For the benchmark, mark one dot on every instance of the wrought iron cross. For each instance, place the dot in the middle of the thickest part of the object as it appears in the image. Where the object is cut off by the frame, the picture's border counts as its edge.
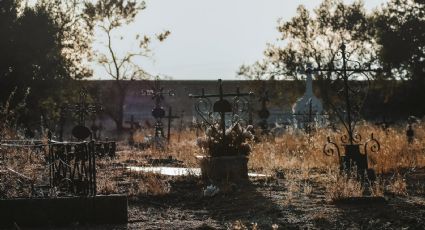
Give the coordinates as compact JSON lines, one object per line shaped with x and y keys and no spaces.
{"x":82,"y":108}
{"x":221,"y":106}
{"x":345,"y":72}
{"x":158,"y":112}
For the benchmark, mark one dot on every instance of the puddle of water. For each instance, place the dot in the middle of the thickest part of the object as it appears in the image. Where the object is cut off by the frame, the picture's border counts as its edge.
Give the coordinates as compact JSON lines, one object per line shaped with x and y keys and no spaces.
{"x":174,"y":171}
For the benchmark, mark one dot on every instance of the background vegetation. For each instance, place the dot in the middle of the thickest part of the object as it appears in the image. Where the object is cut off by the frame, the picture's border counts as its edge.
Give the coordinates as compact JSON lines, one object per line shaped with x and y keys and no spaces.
{"x":47,"y":47}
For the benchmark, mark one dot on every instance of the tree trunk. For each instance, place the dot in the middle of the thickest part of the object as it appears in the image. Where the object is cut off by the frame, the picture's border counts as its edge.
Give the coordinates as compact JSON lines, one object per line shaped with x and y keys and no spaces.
{"x":120,"y":118}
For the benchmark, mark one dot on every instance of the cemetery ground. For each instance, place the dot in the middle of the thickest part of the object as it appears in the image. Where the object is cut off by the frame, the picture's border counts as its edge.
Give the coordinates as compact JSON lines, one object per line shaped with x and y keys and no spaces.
{"x":302,"y":187}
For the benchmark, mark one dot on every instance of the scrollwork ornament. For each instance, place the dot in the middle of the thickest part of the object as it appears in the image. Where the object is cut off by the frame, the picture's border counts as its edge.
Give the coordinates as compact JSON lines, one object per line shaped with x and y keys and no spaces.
{"x":372,"y":145}
{"x":357,"y":138}
{"x":330,"y":148}
{"x":203,"y":107}
{"x":344,"y":139}
{"x":240,"y":106}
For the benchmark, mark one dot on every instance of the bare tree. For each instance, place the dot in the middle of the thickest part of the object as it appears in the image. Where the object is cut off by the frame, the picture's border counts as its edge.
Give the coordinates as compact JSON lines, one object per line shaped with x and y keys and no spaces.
{"x":109,"y":15}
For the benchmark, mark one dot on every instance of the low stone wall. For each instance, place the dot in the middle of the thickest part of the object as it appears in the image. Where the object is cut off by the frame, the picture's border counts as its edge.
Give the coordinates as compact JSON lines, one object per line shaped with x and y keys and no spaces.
{"x":36,"y":212}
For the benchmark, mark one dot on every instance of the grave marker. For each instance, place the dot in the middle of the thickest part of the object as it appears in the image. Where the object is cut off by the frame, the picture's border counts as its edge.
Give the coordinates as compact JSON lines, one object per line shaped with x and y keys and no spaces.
{"x":170,"y":118}
{"x":346,"y":114}
{"x":81,"y":109}
{"x":158,"y":112}
{"x":204,"y":107}
{"x":227,"y":155}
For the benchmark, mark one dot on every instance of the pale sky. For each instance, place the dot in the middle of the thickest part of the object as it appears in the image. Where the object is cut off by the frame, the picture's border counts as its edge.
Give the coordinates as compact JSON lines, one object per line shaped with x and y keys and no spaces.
{"x":209,"y":39}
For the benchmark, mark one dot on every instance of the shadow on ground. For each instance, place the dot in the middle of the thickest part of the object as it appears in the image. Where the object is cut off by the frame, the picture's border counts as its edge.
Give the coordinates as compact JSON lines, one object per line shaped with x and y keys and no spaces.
{"x":186,"y":202}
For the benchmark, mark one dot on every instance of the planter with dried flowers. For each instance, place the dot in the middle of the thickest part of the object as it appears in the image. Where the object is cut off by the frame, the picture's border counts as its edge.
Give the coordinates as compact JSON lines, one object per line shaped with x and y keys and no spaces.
{"x":225,"y":159}
{"x":225,"y":148}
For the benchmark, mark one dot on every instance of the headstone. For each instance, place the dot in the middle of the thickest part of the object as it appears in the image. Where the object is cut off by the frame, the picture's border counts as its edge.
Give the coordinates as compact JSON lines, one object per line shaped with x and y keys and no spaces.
{"x":307,"y":108}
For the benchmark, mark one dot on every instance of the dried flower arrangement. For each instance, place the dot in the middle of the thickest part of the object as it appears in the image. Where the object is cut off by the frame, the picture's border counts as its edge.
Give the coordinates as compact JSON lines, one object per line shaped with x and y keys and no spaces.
{"x":234,"y":142}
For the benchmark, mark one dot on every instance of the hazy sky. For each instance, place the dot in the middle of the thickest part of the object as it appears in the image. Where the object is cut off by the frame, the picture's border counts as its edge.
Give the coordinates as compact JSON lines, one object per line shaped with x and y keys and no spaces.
{"x":209,"y":39}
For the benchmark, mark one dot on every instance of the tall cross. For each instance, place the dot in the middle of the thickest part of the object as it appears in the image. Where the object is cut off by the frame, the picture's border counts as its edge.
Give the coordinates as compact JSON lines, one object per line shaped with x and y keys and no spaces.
{"x":346,"y":72}
{"x":158,"y":112}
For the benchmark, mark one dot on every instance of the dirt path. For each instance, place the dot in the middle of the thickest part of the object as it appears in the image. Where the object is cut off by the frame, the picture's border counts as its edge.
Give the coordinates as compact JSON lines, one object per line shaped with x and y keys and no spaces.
{"x":269,"y":203}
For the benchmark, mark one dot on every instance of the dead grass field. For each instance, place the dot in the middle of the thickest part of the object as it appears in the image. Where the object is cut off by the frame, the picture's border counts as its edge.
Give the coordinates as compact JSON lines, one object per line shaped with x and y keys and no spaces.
{"x":301,"y":192}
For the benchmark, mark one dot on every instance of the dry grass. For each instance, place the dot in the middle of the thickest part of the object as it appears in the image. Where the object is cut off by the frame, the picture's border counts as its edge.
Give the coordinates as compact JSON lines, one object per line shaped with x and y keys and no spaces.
{"x":342,"y":185}
{"x":300,"y":156}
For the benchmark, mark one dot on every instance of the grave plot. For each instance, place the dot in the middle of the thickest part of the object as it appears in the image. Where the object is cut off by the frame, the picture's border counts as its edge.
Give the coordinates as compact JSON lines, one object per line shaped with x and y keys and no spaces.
{"x":55,"y":186}
{"x":158,"y":112}
{"x":92,"y":137}
{"x":103,"y":148}
{"x":225,"y":143}
{"x":45,"y":176}
{"x":354,"y":81}
{"x":302,"y":187}
{"x":297,"y":185}
{"x":287,"y":181}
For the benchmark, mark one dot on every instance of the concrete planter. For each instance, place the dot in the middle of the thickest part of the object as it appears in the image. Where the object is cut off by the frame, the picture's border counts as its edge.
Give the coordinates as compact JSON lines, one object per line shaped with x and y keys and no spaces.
{"x":224,"y":168}
{"x":353,"y":157}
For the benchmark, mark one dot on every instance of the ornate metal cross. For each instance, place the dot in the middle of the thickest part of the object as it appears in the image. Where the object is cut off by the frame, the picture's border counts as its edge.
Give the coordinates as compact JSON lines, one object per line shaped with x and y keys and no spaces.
{"x":158,"y":112}
{"x":351,"y":87}
{"x":222,"y":106}
{"x":81,"y":109}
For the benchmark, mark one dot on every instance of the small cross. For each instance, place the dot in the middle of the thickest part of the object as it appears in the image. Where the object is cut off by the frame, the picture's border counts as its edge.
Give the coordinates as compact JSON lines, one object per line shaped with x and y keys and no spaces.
{"x":82,"y":108}
{"x":157,"y":93}
{"x":170,"y":118}
{"x":133,"y":126}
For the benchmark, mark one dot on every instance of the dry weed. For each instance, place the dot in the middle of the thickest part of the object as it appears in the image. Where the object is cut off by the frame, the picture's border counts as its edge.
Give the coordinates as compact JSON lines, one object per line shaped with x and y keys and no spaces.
{"x":397,"y":185}
{"x":298,"y":154}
